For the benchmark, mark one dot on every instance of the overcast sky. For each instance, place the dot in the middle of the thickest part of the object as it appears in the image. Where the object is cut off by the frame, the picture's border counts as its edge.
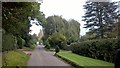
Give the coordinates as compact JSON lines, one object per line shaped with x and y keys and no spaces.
{"x":35,"y":29}
{"x":68,"y":9}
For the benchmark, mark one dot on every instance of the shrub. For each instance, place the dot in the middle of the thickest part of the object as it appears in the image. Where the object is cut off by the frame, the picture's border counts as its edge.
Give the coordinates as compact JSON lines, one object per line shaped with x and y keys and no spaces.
{"x":103,"y":49}
{"x":20,"y":42}
{"x":57,"y":39}
{"x":32,"y":46}
{"x":47,"y":45}
{"x":67,"y":48}
{"x":57,"y":49}
{"x":9,"y":42}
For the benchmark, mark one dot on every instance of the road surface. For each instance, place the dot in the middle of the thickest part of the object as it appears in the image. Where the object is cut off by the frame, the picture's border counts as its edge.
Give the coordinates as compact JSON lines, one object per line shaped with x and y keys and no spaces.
{"x":40,"y":57}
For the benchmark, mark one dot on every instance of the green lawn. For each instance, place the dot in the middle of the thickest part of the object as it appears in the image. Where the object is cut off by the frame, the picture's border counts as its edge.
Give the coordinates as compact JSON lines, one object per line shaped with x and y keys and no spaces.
{"x":15,"y":58}
{"x":84,"y":61}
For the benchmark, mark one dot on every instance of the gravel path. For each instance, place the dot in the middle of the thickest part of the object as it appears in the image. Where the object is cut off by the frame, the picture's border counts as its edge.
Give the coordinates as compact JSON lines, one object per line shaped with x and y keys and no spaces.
{"x":40,"y":57}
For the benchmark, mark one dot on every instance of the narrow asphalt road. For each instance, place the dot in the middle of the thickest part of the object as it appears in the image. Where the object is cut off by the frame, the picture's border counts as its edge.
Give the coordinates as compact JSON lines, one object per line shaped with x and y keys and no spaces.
{"x":40,"y":57}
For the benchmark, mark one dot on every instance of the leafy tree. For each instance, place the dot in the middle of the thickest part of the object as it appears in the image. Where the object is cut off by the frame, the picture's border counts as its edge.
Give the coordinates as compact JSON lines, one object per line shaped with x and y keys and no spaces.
{"x":47,"y":44}
{"x":56,"y":39}
{"x":70,"y":29}
{"x":15,"y":18}
{"x":20,"y":42}
{"x":100,"y":16}
{"x":114,"y":32}
{"x":73,"y":32}
{"x":15,"y":14}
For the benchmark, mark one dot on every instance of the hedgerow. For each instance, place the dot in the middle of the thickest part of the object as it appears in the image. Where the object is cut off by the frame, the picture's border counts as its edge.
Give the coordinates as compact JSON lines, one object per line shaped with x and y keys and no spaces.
{"x":103,"y":49}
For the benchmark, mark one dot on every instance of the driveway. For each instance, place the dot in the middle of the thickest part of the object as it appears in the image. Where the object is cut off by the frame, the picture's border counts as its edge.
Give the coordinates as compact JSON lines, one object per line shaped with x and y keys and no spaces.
{"x":40,"y":57}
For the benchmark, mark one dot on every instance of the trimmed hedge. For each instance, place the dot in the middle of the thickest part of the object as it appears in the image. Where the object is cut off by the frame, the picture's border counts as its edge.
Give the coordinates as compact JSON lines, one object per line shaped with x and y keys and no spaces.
{"x":103,"y":49}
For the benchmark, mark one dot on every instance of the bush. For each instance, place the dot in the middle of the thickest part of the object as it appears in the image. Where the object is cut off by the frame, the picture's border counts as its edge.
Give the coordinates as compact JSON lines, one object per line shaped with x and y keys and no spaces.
{"x":29,"y":43}
{"x":56,"y":39}
{"x":57,"y":49}
{"x":20,"y":42}
{"x":32,"y":46}
{"x":47,"y":45}
{"x":9,"y":42}
{"x":67,"y":48}
{"x":103,"y":49}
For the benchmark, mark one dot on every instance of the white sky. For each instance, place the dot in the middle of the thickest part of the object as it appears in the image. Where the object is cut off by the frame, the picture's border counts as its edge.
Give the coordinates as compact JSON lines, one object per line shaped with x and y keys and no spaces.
{"x":68,"y":9}
{"x":35,"y":29}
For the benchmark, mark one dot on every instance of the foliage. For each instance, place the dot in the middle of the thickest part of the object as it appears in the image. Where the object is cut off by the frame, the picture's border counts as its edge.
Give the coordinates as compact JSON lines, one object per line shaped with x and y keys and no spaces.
{"x":103,"y":49}
{"x":32,"y":46}
{"x":56,"y":39}
{"x":89,"y":36}
{"x":9,"y":42}
{"x":31,"y":41}
{"x":57,"y":49}
{"x":70,"y":29}
{"x":47,"y":44}
{"x":83,"y":62}
{"x":34,"y":39}
{"x":40,"y":41}
{"x":20,"y":42}
{"x":67,"y":47}
{"x":100,"y":17}
{"x":15,"y":19}
{"x":15,"y":14}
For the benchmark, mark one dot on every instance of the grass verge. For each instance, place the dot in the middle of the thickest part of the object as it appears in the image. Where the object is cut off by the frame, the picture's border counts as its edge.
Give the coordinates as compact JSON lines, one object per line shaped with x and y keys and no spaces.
{"x":83,"y":62}
{"x":15,"y":58}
